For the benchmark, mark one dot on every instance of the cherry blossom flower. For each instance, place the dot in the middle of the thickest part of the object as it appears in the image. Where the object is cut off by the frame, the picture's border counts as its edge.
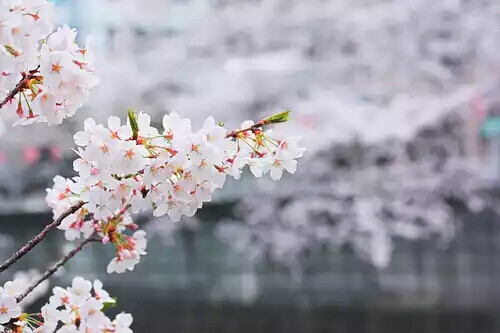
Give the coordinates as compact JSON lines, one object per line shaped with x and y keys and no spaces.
{"x":9,"y":308}
{"x":101,"y":294}
{"x":282,"y":162}
{"x":122,"y":323}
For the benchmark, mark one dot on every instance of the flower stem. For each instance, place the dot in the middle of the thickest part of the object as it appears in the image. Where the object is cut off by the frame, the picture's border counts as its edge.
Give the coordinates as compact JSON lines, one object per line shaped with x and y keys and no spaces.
{"x":38,"y":238}
{"x":30,"y":110}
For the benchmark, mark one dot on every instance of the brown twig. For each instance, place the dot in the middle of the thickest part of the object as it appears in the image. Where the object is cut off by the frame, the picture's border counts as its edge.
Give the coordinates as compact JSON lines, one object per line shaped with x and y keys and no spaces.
{"x":277,"y":118}
{"x":92,"y":238}
{"x":38,"y":238}
{"x":22,"y":85}
{"x":54,"y":268}
{"x":257,"y":126}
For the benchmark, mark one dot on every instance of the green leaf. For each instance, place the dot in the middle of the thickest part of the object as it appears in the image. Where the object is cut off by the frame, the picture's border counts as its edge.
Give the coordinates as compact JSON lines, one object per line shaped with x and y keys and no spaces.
{"x":281,"y":117}
{"x":132,"y":117}
{"x":109,"y":305}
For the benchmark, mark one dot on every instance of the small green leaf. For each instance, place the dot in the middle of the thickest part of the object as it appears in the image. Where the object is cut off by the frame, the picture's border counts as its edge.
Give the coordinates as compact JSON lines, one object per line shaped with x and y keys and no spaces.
{"x":109,"y":305}
{"x":281,"y":117}
{"x":132,"y":117}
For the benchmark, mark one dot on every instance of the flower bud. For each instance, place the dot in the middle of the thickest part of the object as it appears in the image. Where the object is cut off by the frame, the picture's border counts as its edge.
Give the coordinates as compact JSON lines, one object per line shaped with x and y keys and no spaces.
{"x":133,"y":226}
{"x":132,"y":117}
{"x":20,"y":110}
{"x":281,"y":117}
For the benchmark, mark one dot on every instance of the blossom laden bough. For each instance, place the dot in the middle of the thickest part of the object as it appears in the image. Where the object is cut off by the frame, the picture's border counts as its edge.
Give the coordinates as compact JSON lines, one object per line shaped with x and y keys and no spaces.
{"x":132,"y":167}
{"x":129,"y":168}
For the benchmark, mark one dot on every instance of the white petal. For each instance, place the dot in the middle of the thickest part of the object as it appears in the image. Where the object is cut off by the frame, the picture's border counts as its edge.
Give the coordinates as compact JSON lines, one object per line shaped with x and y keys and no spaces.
{"x":125,"y":132}
{"x":89,"y":124}
{"x":114,"y":123}
{"x":290,"y":165}
{"x":81,"y":138}
{"x":276,"y":173}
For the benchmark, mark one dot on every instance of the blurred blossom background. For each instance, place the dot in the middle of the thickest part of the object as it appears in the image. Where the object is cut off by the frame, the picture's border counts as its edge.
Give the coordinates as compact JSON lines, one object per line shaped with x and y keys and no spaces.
{"x":391,"y":224}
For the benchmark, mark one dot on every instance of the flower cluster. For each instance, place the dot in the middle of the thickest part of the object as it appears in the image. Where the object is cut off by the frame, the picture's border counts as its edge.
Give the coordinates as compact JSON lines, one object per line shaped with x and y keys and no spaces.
{"x":129,"y":168}
{"x":22,"y":25}
{"x":22,"y":279}
{"x":45,"y":75}
{"x":79,"y":308}
{"x":10,"y":309}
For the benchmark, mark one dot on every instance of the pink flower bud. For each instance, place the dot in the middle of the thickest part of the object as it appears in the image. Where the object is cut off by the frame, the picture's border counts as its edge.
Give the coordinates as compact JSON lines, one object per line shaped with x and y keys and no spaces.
{"x":20,"y":111}
{"x":133,"y":226}
{"x":105,"y":239}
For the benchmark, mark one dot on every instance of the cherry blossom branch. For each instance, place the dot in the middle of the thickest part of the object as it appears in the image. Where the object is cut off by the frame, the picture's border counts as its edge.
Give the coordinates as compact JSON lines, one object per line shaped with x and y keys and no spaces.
{"x":67,"y":257}
{"x":38,"y":238}
{"x":92,"y":238}
{"x":56,"y":266}
{"x":21,"y":86}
